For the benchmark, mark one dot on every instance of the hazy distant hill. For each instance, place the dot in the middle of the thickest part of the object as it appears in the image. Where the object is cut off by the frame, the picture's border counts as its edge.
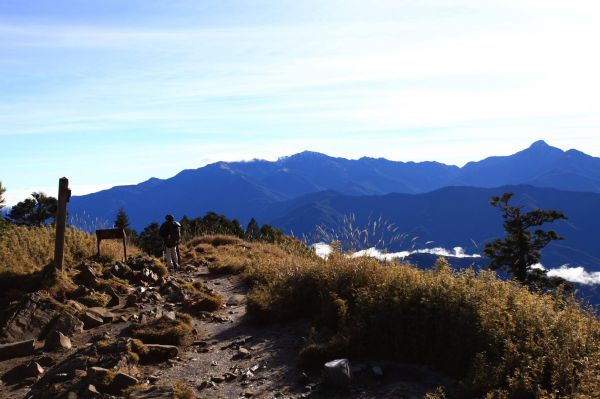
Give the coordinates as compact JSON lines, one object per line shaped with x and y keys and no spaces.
{"x":244,"y":189}
{"x":452,"y":216}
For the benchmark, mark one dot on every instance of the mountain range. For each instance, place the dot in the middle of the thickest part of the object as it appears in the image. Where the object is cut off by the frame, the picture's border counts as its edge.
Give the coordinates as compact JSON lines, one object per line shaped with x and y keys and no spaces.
{"x":433,"y":201}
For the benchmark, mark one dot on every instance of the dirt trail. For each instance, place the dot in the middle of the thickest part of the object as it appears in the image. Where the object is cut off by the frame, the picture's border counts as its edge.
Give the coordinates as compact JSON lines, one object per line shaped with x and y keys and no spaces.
{"x":231,"y":357}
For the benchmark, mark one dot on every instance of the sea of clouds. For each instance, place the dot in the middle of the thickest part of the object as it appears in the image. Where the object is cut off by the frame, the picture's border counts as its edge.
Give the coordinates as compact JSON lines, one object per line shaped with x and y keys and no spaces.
{"x":574,"y":274}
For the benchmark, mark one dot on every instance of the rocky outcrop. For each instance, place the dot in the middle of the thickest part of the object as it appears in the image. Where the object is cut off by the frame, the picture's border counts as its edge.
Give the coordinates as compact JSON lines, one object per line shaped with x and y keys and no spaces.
{"x":30,"y":317}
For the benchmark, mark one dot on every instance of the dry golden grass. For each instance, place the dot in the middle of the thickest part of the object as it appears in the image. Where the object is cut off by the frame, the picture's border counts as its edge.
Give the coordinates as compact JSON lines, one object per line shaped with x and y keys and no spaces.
{"x":24,"y":250}
{"x":498,"y":338}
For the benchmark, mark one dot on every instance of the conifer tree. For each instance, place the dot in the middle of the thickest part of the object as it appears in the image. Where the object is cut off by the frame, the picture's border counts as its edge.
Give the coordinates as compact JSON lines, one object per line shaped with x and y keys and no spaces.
{"x":122,"y":220}
{"x":521,"y":247}
{"x":253,"y":230}
{"x":34,"y":211}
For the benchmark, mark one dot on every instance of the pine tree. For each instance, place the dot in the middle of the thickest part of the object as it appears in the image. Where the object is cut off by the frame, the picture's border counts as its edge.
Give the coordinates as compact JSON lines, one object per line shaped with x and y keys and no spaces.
{"x":122,"y":220}
{"x":34,"y":211}
{"x":253,"y":230}
{"x":521,"y":247}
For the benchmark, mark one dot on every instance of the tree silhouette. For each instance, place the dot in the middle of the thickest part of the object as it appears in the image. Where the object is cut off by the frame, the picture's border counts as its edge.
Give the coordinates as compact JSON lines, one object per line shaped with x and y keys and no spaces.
{"x":150,"y":240}
{"x":253,"y":230}
{"x":2,"y":200}
{"x":521,"y":247}
{"x":34,"y":211}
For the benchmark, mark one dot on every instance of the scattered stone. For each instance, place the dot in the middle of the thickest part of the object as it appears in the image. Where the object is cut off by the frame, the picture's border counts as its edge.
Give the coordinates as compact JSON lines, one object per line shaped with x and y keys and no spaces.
{"x":170,"y":315}
{"x":217,"y":380}
{"x":244,"y":352}
{"x":153,"y":379}
{"x":255,"y":368}
{"x":155,"y":392}
{"x":90,"y":392}
{"x":57,"y":340}
{"x":248,"y":375}
{"x":17,"y":349}
{"x":106,"y":315}
{"x":337,"y":373}
{"x":206,"y":384}
{"x":201,"y":344}
{"x":91,"y":320}
{"x":229,"y":376}
{"x":123,"y":381}
{"x":156,"y":351}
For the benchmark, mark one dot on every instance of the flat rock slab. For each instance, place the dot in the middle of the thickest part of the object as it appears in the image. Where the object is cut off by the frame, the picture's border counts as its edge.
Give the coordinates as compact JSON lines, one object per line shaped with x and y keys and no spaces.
{"x":106,"y":315}
{"x":17,"y":349}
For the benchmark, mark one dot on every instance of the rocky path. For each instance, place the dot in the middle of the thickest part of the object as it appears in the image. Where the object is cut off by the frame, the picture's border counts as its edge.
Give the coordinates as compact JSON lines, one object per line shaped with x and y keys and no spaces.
{"x":226,"y":357}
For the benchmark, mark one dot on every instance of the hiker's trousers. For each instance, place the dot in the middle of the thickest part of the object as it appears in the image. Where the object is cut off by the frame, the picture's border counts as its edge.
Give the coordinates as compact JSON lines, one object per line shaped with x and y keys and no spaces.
{"x":171,"y":257}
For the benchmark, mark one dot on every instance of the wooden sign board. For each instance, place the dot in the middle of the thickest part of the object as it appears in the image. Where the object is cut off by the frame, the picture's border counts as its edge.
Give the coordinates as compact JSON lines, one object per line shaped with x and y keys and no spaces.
{"x":112,"y":234}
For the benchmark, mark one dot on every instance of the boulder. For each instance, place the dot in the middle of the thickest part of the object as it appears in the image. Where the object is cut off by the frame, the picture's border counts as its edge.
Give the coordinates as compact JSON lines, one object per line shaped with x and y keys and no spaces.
{"x":86,"y":276}
{"x":66,"y":323}
{"x":27,"y":319}
{"x":57,"y":340}
{"x":17,"y":349}
{"x":337,"y":373}
{"x":114,"y":297}
{"x":91,"y":320}
{"x":22,"y":372}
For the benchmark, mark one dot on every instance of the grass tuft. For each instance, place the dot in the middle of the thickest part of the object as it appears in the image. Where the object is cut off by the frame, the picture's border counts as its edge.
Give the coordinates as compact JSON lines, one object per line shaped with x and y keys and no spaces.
{"x":164,"y":330}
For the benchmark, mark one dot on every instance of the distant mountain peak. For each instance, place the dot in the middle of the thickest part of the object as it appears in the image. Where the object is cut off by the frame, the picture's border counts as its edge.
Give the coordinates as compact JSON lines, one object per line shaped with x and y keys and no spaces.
{"x":539,"y":144}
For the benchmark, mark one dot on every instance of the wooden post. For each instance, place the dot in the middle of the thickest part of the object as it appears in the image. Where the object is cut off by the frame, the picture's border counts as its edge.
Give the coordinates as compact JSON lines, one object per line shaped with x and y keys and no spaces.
{"x":64,"y":194}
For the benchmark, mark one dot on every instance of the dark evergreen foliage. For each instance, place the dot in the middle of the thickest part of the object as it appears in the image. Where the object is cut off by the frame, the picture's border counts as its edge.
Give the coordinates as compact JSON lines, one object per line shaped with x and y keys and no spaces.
{"x":520,"y":249}
{"x":211,"y":223}
{"x":34,"y":211}
{"x":252,"y":230}
{"x":150,"y":240}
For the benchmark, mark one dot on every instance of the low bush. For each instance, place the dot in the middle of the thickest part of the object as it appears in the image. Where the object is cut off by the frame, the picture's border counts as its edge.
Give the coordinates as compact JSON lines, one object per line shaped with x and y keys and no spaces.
{"x":498,"y":338}
{"x":164,"y":330}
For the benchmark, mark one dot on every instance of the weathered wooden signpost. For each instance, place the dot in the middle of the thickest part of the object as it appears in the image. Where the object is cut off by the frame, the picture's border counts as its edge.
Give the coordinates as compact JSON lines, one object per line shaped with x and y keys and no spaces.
{"x":64,"y":195}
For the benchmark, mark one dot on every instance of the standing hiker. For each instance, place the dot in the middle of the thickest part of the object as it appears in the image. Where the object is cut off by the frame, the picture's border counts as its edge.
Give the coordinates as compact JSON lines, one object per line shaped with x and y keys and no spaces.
{"x":170,"y":231}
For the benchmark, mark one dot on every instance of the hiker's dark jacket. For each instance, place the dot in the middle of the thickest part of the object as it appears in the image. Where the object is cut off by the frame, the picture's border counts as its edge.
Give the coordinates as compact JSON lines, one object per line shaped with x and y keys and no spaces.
{"x":170,"y":233}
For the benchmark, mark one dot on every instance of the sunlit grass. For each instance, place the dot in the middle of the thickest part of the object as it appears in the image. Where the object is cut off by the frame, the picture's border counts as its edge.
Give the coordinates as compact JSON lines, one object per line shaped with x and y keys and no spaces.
{"x":498,"y":338}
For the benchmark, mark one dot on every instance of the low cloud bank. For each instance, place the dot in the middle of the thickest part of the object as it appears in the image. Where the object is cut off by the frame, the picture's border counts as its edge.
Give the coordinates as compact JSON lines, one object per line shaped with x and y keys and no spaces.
{"x":323,"y":250}
{"x":575,"y":275}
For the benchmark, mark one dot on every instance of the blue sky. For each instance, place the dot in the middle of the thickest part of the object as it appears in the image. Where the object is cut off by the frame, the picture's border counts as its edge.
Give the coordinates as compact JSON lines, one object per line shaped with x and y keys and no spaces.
{"x":114,"y":92}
